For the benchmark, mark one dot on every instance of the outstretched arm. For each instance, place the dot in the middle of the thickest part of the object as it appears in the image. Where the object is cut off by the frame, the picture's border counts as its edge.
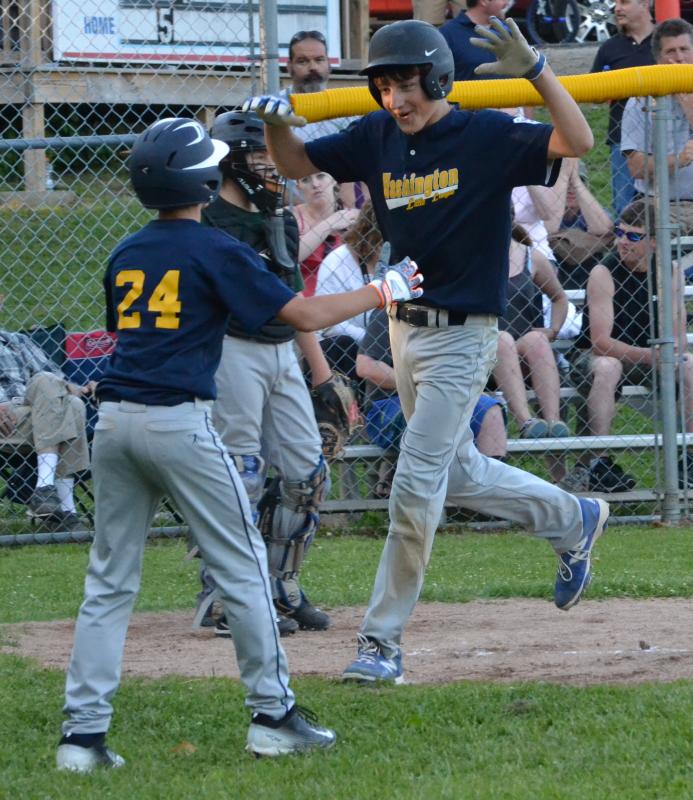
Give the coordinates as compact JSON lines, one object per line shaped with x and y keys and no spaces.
{"x":392,"y":284}
{"x":287,"y":150}
{"x":515,"y":58}
{"x":316,"y":313}
{"x":571,"y":136}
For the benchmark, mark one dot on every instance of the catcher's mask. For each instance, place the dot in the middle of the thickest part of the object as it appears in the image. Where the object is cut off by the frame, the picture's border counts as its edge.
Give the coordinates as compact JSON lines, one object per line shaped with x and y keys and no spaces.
{"x":245,"y":135}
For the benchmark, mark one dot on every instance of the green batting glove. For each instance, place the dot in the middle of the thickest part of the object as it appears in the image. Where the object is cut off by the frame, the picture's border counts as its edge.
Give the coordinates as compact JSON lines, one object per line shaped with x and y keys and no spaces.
{"x":514,"y":56}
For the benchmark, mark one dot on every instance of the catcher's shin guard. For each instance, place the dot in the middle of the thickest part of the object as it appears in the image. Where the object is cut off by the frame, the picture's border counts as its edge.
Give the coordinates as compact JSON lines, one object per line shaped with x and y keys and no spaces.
{"x":289,"y":516}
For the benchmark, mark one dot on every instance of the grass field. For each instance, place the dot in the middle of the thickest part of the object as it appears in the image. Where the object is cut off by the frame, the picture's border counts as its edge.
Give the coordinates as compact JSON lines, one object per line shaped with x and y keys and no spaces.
{"x":458,"y":741}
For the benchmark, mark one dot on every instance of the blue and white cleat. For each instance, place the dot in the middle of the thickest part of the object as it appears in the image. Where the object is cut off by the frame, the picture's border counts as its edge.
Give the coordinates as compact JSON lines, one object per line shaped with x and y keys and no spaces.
{"x":371,"y":666}
{"x":574,"y":573}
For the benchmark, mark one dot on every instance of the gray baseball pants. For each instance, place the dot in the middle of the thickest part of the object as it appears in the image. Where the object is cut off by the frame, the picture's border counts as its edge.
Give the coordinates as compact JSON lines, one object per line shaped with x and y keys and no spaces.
{"x":440,"y":374}
{"x":140,"y":454}
{"x":263,"y":406}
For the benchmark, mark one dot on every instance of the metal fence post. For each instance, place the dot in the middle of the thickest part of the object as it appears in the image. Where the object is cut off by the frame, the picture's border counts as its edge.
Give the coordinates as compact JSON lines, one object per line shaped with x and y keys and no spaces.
{"x":671,"y":511}
{"x":269,"y":45}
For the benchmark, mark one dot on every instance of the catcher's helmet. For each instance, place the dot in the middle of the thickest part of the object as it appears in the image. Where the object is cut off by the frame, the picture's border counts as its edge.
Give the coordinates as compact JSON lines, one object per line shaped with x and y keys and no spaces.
{"x":412,"y":43}
{"x":244,"y":132}
{"x":174,"y":163}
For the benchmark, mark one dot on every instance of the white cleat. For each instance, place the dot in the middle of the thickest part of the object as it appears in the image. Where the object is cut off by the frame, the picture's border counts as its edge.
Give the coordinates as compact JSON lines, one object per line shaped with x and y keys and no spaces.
{"x":74,"y":758}
{"x":296,"y":732}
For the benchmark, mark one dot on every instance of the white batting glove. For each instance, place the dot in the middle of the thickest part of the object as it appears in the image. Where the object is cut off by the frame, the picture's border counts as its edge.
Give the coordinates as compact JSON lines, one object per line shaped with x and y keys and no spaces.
{"x":396,"y":283}
{"x":514,"y":56}
{"x":273,"y":110}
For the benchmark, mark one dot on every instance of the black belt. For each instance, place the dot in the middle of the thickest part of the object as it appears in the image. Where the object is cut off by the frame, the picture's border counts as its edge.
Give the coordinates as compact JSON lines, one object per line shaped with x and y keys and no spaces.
{"x":427,"y":317}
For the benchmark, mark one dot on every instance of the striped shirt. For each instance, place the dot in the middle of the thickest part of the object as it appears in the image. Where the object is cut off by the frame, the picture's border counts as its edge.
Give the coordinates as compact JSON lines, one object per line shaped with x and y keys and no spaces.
{"x":20,"y":360}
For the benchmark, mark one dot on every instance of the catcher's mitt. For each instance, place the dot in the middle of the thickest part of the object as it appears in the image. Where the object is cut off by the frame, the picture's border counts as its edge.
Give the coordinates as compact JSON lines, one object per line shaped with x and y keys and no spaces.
{"x":336,"y":412}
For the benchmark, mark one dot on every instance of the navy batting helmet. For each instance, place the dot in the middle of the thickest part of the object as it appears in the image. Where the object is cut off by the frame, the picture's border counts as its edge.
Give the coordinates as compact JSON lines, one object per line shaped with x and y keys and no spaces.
{"x":174,"y":163}
{"x":412,"y":43}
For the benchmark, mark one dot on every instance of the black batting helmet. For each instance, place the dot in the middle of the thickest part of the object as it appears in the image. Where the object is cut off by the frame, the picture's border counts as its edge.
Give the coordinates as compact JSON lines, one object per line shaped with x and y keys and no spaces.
{"x":412,"y":43}
{"x":245,"y":131}
{"x":174,"y":163}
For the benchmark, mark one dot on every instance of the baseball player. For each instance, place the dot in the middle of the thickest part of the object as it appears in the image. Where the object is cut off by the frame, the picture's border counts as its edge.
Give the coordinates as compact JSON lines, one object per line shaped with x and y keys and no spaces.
{"x":440,"y":180}
{"x":263,"y":410}
{"x":169,"y":290}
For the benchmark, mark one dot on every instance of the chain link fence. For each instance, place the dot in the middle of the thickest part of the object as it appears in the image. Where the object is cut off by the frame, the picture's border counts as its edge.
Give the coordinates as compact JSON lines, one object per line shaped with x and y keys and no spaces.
{"x":80,"y":80}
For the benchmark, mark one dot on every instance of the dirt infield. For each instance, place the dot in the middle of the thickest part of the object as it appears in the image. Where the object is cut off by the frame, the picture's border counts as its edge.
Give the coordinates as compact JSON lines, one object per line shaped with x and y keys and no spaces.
{"x":614,"y":641}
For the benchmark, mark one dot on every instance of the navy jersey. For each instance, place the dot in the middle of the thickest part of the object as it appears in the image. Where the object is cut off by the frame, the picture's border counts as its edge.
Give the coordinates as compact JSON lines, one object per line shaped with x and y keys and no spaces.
{"x":442,"y":196}
{"x":169,"y":290}
{"x":457,"y":33}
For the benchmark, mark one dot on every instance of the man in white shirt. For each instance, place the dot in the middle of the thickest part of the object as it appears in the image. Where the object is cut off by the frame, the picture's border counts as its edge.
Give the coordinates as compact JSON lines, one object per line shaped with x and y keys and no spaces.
{"x":672,"y":43}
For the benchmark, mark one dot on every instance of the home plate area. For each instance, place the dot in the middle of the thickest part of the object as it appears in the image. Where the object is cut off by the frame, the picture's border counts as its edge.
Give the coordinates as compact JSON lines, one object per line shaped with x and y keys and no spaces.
{"x":610,"y":641}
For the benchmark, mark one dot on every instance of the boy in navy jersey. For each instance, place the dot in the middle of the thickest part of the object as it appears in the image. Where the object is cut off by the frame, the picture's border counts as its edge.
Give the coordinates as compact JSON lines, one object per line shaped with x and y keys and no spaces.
{"x":169,"y":290}
{"x":440,"y":180}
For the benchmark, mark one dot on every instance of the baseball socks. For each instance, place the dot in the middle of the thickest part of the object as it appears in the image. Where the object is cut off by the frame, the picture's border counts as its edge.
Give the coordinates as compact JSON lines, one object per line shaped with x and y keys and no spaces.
{"x":45,"y":501}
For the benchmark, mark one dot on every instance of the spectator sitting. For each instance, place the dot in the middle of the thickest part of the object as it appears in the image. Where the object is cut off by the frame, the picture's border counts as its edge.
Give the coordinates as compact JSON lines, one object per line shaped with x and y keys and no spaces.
{"x":614,"y":346}
{"x":524,"y":349}
{"x":321,"y":221}
{"x":531,"y":206}
{"x":580,"y":229}
{"x":40,"y":409}
{"x":672,"y":43}
{"x":346,"y":268}
{"x":385,"y":421}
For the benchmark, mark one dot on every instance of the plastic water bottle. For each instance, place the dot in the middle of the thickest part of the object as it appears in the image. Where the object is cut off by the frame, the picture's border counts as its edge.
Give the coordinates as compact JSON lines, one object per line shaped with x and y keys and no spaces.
{"x":50,"y":177}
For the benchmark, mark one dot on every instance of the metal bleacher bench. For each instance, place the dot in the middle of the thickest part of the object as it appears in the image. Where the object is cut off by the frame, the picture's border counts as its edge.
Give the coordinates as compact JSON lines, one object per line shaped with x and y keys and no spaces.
{"x":639,"y":397}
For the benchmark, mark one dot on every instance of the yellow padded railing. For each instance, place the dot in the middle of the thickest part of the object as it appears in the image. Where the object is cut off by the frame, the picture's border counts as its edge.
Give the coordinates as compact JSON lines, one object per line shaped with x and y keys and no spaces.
{"x":597,"y":87}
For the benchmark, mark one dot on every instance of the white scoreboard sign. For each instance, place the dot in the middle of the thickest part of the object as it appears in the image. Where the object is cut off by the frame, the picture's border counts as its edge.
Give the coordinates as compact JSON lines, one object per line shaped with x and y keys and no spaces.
{"x":182,"y":31}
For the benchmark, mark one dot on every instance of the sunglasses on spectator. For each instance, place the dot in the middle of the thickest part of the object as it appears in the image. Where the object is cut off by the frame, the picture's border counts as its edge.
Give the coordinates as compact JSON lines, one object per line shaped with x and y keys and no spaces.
{"x":301,"y":35}
{"x":632,"y":236}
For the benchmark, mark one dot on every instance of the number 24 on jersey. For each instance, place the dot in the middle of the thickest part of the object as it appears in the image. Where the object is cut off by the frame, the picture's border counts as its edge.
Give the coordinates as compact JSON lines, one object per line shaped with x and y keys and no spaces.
{"x":164,"y":301}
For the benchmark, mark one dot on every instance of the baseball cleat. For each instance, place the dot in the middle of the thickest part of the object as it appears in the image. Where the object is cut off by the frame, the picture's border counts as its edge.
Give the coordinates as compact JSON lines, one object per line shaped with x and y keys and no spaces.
{"x":296,"y":732}
{"x":76,"y":758}
{"x":285,"y":625}
{"x":44,"y":502}
{"x":371,"y":666}
{"x":574,"y":574}
{"x":308,"y":617}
